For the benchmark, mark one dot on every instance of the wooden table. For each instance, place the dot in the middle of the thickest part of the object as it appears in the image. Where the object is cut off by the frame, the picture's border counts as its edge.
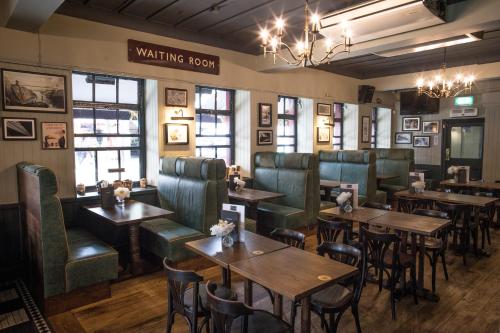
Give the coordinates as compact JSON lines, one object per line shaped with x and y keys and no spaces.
{"x":294,"y":273}
{"x":252,"y":197}
{"x":381,"y":178}
{"x":131,"y":215}
{"x":327,"y":186}
{"x":251,"y":245}
{"x":360,"y":215}
{"x":490,"y":186}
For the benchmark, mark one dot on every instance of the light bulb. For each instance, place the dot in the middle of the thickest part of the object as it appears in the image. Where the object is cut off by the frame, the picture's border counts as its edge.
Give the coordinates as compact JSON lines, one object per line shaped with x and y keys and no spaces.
{"x":420,"y":82}
{"x":328,"y":44}
{"x":264,"y":35}
{"x":280,"y":23}
{"x":300,"y":46}
{"x":458,"y":77}
{"x":274,"y":43}
{"x":437,"y":78}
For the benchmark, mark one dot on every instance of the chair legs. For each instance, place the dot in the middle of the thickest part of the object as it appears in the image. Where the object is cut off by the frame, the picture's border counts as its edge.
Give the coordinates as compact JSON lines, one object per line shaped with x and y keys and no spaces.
{"x":355,"y":313}
{"x":170,"y":320}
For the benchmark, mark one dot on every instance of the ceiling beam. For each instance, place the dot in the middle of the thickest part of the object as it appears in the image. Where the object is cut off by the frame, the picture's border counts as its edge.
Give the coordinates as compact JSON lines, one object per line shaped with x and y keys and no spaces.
{"x":26,"y":15}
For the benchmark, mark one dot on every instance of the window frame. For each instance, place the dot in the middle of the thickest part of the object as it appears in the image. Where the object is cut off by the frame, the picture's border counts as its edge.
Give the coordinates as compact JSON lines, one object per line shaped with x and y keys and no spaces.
{"x":373,"y":129}
{"x":139,"y":107}
{"x":341,"y":122}
{"x":284,"y":116}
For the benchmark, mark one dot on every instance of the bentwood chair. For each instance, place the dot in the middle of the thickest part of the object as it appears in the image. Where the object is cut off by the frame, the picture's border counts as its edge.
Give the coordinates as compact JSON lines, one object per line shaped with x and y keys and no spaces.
{"x":486,"y":216}
{"x":187,"y":299}
{"x":330,"y":230}
{"x":376,"y":205}
{"x":233,"y":316}
{"x":383,"y":252}
{"x":289,"y":237}
{"x":435,"y":247}
{"x":408,"y":205}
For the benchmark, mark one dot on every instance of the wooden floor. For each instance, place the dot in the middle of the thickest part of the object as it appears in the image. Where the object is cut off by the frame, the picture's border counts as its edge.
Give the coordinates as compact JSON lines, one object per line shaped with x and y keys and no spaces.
{"x":470,"y":302}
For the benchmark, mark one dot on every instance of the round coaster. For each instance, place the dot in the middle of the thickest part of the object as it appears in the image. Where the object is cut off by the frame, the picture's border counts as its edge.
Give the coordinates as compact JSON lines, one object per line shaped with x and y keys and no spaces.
{"x":258,"y":252}
{"x":324,"y":277}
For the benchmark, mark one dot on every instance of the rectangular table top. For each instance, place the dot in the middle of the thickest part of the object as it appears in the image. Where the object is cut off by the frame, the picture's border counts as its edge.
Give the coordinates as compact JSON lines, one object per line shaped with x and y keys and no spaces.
{"x":251,"y":245}
{"x":329,"y":183}
{"x":473,"y":183}
{"x":361,"y":214}
{"x":292,"y":272}
{"x":252,"y":195}
{"x":421,"y":225}
{"x":472,"y":200}
{"x":134,"y":212}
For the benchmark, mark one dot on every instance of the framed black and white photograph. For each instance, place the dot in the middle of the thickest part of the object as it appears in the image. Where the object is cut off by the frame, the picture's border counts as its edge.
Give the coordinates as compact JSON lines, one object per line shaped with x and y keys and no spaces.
{"x":323,"y":135}
{"x":33,"y":92}
{"x":366,"y":128}
{"x":421,"y":141}
{"x":19,"y":128}
{"x":411,"y":124}
{"x":265,"y":115}
{"x":54,"y":135}
{"x":403,"y":138}
{"x":430,"y":127}
{"x":264,"y":137}
{"x":323,"y":109}
{"x":176,"y":134}
{"x":176,"y":97}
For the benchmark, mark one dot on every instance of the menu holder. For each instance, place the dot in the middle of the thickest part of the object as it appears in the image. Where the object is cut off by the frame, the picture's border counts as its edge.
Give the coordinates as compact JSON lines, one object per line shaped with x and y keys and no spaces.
{"x":232,"y":217}
{"x":241,"y":210}
{"x":107,"y":197}
{"x":462,"y":176}
{"x":353,"y":188}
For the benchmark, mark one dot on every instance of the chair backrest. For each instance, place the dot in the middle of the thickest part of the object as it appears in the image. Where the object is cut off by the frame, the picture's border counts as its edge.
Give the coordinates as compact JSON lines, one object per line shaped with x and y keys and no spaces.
{"x":224,"y":312}
{"x":395,"y":161}
{"x":194,"y":188}
{"x":377,"y":205}
{"x":330,"y":230}
{"x":376,"y":245}
{"x":178,"y":282}
{"x":290,"y":237}
{"x":455,"y":211}
{"x":431,"y":213}
{"x":46,"y":245}
{"x":293,"y":174}
{"x":408,"y":205}
{"x":352,"y":167}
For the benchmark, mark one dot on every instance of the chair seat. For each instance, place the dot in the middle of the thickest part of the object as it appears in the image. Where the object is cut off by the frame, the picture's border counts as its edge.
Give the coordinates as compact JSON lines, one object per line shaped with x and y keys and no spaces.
{"x":261,"y":321}
{"x":271,"y":216}
{"x":221,"y":292}
{"x":404,"y":258}
{"x":334,"y":297}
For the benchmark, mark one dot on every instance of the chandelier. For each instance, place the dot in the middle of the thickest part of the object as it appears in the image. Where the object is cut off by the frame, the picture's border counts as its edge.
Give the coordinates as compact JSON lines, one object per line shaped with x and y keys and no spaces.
{"x":442,"y":86}
{"x":306,"y":50}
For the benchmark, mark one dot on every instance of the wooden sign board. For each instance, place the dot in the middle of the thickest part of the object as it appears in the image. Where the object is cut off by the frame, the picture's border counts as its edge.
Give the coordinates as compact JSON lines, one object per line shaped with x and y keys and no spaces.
{"x":164,"y":56}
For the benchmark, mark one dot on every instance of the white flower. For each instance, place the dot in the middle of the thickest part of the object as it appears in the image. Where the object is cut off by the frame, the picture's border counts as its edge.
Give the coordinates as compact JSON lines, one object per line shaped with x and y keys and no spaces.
{"x":343,"y":197}
{"x":239,"y":182}
{"x":420,"y":185}
{"x":122,"y":192}
{"x":221,"y":229}
{"x":452,"y":170}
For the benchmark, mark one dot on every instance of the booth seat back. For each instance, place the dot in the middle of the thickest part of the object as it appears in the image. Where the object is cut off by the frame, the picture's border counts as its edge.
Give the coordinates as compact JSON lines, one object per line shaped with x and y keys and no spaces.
{"x":395,"y":161}
{"x":350,"y":166}
{"x":293,"y":174}
{"x":46,"y":243}
{"x":194,"y":188}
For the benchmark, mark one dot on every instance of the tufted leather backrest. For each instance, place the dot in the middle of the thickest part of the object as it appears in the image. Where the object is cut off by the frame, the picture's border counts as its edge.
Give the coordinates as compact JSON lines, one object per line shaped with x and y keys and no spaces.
{"x":395,"y":161}
{"x":194,"y":188}
{"x":350,"y":166}
{"x":46,"y":244}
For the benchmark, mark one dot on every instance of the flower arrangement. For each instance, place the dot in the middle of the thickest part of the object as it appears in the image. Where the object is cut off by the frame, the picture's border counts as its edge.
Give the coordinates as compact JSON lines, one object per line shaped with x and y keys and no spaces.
{"x":122,"y":193}
{"x":223,"y":228}
{"x":240,"y":184}
{"x":453,"y":170}
{"x":343,"y":198}
{"x":419,"y":186}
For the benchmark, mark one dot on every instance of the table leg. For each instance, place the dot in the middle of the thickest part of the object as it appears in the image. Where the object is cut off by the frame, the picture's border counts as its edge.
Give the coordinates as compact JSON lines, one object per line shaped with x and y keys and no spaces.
{"x":305,"y":316}
{"x":226,"y":277}
{"x":421,"y":290}
{"x":248,"y":292}
{"x":477,"y":251}
{"x":135,"y":249}
{"x":278,"y":304}
{"x":252,"y":210}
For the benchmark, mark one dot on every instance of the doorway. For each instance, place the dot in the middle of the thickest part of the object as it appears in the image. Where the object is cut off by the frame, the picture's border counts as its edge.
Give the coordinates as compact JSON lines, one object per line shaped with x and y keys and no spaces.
{"x":463,"y":145}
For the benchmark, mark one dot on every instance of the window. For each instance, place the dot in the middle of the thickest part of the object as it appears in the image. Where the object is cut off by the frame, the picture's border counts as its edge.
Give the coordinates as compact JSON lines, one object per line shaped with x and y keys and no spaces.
{"x":108,"y":120}
{"x":215,"y":123}
{"x":338,"y":115}
{"x":287,"y":124}
{"x":374,"y":129}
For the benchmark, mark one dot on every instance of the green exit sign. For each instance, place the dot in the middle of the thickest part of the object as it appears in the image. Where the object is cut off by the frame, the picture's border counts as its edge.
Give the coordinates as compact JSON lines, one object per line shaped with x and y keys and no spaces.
{"x":464,"y":101}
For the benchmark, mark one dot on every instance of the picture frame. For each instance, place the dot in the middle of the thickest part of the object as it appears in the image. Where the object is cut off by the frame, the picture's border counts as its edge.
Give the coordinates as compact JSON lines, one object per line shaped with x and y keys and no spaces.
{"x":323,"y":109}
{"x":323,"y":135}
{"x":421,"y":141}
{"x":264,"y":137}
{"x":176,"y":97}
{"x":19,"y":129}
{"x":54,"y":135}
{"x":411,"y":124}
{"x":265,"y":115}
{"x":176,"y":134}
{"x":403,"y":138}
{"x":430,"y":127}
{"x":365,"y":129}
{"x":24,"y":91}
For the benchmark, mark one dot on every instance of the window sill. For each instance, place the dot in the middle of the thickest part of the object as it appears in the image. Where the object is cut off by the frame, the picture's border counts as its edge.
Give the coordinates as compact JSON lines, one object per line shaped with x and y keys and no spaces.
{"x":135,"y":191}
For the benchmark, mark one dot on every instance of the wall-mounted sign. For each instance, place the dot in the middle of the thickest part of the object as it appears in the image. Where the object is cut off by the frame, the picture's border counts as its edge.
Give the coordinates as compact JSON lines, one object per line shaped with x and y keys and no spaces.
{"x":464,"y":101}
{"x":159,"y":55}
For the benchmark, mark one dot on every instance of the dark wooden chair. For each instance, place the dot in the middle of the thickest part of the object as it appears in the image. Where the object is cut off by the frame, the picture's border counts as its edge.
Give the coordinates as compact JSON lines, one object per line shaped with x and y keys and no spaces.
{"x":462,"y":227}
{"x":435,"y":247}
{"x":233,"y":316}
{"x":486,"y":216}
{"x":187,"y":299}
{"x":289,"y":237}
{"x":383,"y":252}
{"x":330,"y":230}
{"x":408,"y":205}
{"x":377,"y":205}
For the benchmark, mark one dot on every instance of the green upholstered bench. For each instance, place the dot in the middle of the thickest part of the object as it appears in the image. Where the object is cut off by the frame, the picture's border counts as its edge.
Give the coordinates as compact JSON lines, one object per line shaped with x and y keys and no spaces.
{"x":394,"y":161}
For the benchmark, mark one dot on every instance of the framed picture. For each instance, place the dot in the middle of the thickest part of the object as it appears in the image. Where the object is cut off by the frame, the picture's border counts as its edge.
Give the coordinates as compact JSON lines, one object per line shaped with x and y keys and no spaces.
{"x":264,"y":137}
{"x":265,"y":115}
{"x":411,"y":124}
{"x":176,"y":97}
{"x":19,"y":128}
{"x":33,"y":92}
{"x":365,"y":126}
{"x":176,"y":134}
{"x":430,"y":127}
{"x":421,"y":141}
{"x":403,"y":138}
{"x":54,"y":136}
{"x":323,"y":135}
{"x":323,"y":109}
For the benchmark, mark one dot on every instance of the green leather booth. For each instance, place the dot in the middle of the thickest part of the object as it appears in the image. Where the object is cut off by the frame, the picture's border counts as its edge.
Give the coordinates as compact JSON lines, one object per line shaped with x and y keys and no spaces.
{"x":352,"y":167}
{"x":394,"y":161}
{"x":296,"y":176}
{"x":58,"y":260}
{"x":194,"y":188}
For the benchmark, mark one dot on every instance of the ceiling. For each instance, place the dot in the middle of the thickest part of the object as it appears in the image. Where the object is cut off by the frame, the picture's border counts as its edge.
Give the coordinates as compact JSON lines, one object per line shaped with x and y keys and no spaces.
{"x":234,"y":24}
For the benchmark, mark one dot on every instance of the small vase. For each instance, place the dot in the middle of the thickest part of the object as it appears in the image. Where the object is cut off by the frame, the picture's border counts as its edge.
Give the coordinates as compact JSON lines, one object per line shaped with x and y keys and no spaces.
{"x":120,"y":202}
{"x":227,"y":241}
